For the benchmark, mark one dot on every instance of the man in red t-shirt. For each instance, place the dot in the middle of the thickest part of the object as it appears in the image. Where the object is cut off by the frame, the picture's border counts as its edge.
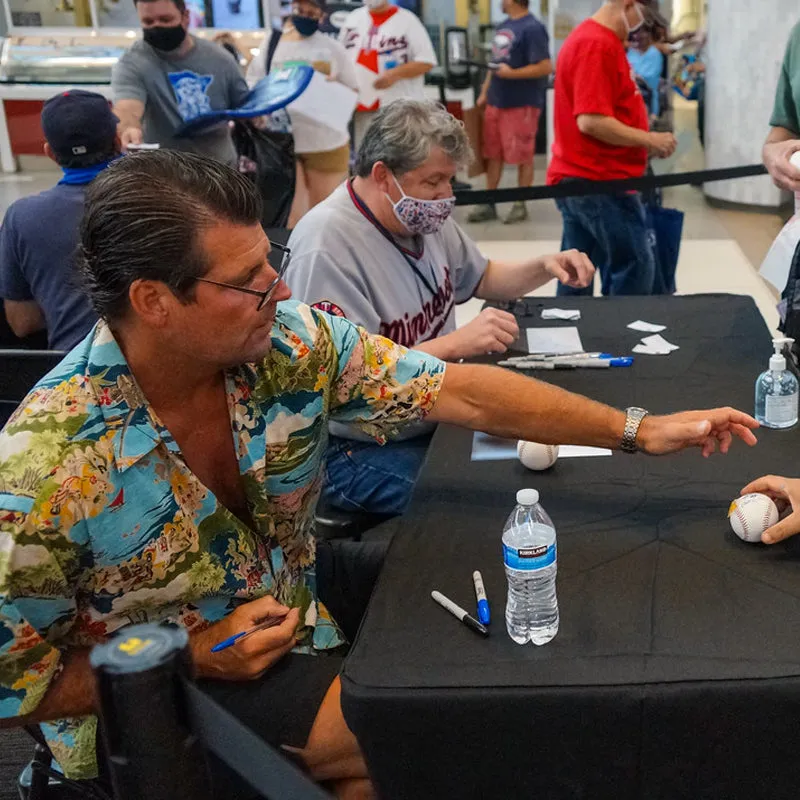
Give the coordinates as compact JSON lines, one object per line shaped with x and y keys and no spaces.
{"x":601,"y":133}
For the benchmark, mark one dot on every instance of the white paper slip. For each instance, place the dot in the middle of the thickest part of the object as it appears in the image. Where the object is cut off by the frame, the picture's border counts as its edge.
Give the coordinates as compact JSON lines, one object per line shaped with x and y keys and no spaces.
{"x":324,"y":102}
{"x":577,"y":451}
{"x":570,"y":315}
{"x":660,"y":343}
{"x":492,"y":448}
{"x":646,"y":327}
{"x":554,"y":341}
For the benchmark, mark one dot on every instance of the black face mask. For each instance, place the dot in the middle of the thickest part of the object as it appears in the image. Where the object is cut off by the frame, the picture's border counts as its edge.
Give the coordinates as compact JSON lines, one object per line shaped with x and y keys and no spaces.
{"x":305,"y":26}
{"x":165,"y":38}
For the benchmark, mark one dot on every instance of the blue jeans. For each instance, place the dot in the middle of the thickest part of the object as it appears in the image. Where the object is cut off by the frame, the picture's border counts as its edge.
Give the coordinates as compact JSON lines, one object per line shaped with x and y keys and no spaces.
{"x":363,"y":476}
{"x":612,"y":231}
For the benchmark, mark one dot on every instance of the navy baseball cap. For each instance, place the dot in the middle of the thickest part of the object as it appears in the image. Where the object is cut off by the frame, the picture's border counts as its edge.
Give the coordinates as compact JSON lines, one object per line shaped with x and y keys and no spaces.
{"x":77,"y":123}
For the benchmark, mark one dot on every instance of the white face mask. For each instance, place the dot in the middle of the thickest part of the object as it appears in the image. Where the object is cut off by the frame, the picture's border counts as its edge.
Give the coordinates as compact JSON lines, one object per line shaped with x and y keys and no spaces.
{"x":628,"y":27}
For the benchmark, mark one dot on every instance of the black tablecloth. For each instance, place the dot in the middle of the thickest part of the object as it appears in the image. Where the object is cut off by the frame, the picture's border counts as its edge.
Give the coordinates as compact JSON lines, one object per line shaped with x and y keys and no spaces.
{"x":676,"y":670}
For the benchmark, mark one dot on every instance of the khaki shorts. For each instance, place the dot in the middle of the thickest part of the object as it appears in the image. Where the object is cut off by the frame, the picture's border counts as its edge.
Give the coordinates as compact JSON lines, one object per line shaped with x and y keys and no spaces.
{"x":337,"y":160}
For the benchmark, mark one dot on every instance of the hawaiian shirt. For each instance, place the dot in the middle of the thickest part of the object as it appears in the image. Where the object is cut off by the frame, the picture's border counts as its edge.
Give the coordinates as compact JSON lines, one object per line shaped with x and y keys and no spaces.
{"x":103,"y":525}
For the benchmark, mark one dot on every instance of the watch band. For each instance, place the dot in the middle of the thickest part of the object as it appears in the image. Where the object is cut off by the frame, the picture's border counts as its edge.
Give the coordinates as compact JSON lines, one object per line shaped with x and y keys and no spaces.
{"x":632,"y":422}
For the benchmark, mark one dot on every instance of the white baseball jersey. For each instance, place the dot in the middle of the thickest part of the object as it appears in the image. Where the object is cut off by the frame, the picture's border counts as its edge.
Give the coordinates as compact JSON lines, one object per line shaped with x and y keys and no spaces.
{"x":377,"y":43}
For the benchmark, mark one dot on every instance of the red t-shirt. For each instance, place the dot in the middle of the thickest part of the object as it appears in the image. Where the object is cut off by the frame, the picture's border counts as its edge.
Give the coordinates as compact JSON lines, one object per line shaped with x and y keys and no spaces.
{"x":593,"y":77}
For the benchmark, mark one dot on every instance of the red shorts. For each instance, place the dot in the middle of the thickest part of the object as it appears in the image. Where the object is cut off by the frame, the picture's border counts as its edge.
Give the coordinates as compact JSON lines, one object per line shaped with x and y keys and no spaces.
{"x":509,"y":134}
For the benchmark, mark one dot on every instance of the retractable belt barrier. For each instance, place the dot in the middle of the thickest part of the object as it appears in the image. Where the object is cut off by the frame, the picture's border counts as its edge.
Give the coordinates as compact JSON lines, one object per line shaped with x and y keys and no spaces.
{"x":157,"y":724}
{"x":579,"y":188}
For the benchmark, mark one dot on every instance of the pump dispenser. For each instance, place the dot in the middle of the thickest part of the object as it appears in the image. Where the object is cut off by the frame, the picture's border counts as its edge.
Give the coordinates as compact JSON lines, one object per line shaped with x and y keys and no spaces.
{"x":777,"y":391}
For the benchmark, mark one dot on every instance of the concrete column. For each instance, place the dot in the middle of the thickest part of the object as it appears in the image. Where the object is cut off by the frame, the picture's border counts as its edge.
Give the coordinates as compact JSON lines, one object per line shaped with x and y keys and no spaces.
{"x":744,"y":55}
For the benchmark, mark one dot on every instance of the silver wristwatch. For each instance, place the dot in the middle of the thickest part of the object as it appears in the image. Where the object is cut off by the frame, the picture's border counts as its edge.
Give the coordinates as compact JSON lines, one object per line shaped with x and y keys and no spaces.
{"x":632,"y":422}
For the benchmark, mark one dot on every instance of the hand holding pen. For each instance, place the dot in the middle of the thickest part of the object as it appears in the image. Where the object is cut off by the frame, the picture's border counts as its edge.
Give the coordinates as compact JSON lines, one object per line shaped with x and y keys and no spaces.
{"x":258,"y":642}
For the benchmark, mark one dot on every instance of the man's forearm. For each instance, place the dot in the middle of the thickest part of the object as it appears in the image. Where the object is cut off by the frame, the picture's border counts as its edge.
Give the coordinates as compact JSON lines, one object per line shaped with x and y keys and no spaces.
{"x":71,"y":694}
{"x":539,"y":70}
{"x":778,"y":135}
{"x":411,"y":70}
{"x":502,"y":281}
{"x":443,"y":347}
{"x":503,"y":403}
{"x":611,"y":131}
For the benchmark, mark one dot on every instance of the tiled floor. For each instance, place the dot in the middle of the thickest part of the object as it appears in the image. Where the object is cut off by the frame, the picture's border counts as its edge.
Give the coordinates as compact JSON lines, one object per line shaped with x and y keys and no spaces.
{"x":721,"y":250}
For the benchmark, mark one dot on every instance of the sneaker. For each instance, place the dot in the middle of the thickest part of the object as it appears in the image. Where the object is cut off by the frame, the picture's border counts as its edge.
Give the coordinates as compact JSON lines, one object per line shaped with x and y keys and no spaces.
{"x":519,"y":213}
{"x":483,"y":214}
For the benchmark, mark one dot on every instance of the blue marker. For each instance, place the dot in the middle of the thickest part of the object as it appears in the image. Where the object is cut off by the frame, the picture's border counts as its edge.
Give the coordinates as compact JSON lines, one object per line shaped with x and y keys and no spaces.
{"x":484,"y":617}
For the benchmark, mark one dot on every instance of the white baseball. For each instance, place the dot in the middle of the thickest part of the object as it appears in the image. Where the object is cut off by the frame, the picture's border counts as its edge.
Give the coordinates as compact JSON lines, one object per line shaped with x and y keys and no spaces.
{"x":537,"y":456}
{"x":751,"y":515}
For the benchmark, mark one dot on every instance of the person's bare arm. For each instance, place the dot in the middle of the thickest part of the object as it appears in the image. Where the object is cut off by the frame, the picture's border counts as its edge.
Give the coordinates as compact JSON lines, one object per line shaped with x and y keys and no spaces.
{"x":508,"y":281}
{"x":129,"y":113}
{"x":492,"y":331}
{"x":539,"y":70}
{"x":613,"y":132}
{"x":779,"y":147}
{"x":24,"y":316}
{"x":71,"y":694}
{"x":483,"y":97}
{"x":402,"y":72}
{"x":506,"y":404}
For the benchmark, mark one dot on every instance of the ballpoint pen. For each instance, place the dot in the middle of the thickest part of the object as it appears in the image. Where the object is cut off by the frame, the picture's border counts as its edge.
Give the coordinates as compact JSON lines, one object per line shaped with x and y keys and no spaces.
{"x":270,"y":622}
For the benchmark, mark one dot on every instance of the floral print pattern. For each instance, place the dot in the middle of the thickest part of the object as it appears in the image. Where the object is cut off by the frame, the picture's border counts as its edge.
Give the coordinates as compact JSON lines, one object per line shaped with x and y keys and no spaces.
{"x":103,"y":525}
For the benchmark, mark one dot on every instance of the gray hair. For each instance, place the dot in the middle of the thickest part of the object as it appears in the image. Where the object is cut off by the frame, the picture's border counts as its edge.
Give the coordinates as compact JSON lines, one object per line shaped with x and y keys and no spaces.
{"x":403,"y":134}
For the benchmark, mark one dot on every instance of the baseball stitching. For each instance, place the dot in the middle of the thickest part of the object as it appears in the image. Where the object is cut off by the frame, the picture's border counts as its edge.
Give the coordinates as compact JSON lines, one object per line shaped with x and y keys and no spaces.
{"x":550,"y":450}
{"x":765,"y":522}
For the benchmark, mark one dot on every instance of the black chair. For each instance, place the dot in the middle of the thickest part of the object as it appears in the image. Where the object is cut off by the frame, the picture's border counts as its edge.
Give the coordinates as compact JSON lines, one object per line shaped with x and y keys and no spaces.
{"x":333,"y":523}
{"x":19,"y":372}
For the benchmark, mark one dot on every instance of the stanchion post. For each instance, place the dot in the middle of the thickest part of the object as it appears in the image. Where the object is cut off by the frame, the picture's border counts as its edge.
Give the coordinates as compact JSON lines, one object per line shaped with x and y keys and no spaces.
{"x":152,"y":752}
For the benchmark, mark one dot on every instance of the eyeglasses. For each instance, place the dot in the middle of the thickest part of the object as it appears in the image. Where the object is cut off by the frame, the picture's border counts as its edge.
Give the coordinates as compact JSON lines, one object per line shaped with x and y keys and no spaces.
{"x":267,"y":293}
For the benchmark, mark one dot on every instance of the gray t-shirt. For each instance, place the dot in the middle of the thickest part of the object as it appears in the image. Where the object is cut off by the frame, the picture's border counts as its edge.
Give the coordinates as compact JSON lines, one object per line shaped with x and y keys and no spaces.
{"x":344,"y":265}
{"x":339,"y":257}
{"x":175,"y":90}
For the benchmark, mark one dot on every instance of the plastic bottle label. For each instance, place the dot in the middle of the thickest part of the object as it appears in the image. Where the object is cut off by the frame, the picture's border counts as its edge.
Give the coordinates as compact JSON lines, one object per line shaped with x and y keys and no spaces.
{"x":529,"y":559}
{"x":780,"y":409}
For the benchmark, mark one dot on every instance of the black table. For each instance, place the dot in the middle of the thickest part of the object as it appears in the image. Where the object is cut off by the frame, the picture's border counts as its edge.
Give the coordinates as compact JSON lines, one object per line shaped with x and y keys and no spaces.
{"x":676,"y":671}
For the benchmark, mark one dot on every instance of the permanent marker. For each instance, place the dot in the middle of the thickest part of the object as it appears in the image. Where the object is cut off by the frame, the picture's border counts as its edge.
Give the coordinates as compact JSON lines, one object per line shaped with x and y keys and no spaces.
{"x":459,"y":613}
{"x":484,"y":617}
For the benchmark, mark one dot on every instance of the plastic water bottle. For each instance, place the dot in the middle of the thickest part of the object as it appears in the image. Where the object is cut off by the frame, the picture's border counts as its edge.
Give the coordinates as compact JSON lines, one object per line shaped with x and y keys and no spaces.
{"x":529,"y":553}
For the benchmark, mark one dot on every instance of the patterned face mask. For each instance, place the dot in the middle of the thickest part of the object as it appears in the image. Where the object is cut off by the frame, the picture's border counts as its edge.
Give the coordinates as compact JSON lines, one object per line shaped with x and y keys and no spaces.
{"x":421,"y":216}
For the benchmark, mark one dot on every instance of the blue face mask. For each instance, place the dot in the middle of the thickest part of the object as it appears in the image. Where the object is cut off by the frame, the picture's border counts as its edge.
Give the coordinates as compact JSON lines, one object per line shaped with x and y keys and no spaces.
{"x":305,"y":26}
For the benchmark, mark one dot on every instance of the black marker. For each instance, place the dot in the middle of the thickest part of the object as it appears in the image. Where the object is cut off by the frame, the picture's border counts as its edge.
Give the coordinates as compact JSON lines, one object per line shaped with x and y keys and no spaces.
{"x":459,"y":613}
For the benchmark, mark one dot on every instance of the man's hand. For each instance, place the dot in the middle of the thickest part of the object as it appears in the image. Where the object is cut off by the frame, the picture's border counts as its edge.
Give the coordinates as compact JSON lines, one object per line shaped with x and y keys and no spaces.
{"x":252,"y":657}
{"x":776,"y":159}
{"x":662,"y":145}
{"x":786,"y":494}
{"x":571,"y":267}
{"x":483,"y":99}
{"x":131,"y":136}
{"x":504,"y":71}
{"x":386,"y":80}
{"x":492,"y":331}
{"x":705,"y":429}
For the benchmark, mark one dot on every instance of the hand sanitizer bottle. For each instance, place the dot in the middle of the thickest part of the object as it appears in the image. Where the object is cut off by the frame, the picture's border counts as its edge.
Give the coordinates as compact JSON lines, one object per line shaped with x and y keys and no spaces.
{"x":777,"y":391}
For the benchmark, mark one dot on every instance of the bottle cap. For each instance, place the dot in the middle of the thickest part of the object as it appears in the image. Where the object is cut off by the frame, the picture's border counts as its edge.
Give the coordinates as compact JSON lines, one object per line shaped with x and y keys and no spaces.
{"x":527,"y":497}
{"x":777,"y":362}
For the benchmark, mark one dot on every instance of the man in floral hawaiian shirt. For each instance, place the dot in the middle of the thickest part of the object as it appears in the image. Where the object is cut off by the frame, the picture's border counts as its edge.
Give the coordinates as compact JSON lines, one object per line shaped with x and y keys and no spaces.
{"x":169,"y":467}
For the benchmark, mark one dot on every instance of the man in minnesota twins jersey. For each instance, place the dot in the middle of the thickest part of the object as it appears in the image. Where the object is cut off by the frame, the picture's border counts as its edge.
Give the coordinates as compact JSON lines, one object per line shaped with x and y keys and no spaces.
{"x":172,"y":77}
{"x":382,"y":251}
